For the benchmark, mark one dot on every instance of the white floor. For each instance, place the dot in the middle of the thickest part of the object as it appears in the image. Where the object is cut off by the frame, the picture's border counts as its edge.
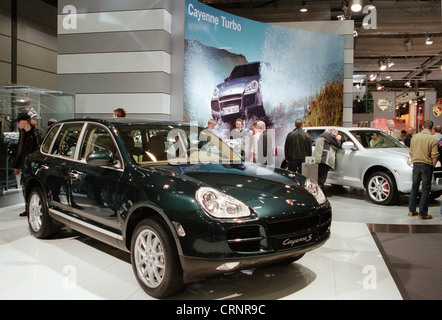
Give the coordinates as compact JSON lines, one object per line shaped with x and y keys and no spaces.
{"x":348,"y":266}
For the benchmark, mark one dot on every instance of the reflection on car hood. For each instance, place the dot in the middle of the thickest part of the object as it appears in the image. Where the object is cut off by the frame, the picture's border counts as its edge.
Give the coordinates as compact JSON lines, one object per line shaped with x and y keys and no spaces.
{"x":390,"y":151}
{"x":245,"y":182}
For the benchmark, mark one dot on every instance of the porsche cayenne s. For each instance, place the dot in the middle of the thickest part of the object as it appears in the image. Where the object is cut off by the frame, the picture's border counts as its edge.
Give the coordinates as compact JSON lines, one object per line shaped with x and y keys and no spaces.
{"x":176,"y":197}
{"x":239,"y":95}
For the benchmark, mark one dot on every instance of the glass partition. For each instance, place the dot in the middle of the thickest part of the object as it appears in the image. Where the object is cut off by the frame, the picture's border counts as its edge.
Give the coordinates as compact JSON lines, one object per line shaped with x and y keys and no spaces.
{"x":42,"y":105}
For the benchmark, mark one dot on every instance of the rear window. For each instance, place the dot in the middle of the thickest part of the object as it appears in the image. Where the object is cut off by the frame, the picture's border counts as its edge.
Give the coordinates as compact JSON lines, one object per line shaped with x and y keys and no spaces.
{"x":66,"y":141}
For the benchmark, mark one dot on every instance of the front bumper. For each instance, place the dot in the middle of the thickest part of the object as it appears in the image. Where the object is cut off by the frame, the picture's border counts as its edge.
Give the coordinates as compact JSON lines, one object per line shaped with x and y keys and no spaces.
{"x":197,"y":269}
{"x":255,"y":243}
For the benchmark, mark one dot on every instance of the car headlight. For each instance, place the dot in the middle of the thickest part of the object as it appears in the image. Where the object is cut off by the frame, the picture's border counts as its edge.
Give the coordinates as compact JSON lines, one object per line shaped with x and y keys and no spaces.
{"x":220,"y":205}
{"x":252,"y":87}
{"x":409,"y":161}
{"x":315,"y":190}
{"x":215,"y":93}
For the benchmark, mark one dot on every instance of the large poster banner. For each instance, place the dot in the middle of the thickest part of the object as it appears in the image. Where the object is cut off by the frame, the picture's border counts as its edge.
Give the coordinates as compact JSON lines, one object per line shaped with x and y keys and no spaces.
{"x":239,"y":68}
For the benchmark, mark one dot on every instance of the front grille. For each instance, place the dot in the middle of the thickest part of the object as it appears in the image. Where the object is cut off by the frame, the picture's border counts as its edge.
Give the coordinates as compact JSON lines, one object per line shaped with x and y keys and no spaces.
{"x":252,"y":238}
{"x":233,"y":97}
{"x":299,"y":225}
{"x":245,"y":238}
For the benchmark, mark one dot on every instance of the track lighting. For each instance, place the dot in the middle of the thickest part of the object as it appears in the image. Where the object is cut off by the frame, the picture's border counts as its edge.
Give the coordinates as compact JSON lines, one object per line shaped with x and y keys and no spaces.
{"x":428,"y":40}
{"x":408,"y":43}
{"x":356,"y":5}
{"x":382,"y":65}
{"x":390,"y":63}
{"x":303,"y":7}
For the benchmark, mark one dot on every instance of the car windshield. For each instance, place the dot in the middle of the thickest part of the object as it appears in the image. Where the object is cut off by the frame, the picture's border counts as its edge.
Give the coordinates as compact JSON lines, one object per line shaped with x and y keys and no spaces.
{"x":376,"y":139}
{"x":247,"y":70}
{"x":175,"y":144}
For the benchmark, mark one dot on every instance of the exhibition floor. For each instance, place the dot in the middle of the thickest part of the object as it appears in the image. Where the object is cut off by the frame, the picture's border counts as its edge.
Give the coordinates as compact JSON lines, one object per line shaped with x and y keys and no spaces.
{"x":371,"y":255}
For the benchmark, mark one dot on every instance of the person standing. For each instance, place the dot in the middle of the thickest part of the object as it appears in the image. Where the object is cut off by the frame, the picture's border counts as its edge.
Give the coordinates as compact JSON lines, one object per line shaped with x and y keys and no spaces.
{"x":211,"y":124}
{"x":408,"y":137}
{"x":119,"y":113}
{"x":29,"y":140}
{"x":437,"y":132}
{"x":424,"y":154}
{"x":325,"y":153}
{"x":298,"y":145}
{"x":265,"y":150}
{"x":257,"y":131}
{"x":239,"y":134}
{"x":391,"y":131}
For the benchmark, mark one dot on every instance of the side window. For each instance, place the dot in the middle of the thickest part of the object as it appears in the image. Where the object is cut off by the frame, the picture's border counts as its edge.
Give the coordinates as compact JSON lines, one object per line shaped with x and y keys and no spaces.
{"x":66,"y":142}
{"x":50,"y":138}
{"x":314,"y":134}
{"x":344,"y":136}
{"x":98,"y":138}
{"x":156,"y":146}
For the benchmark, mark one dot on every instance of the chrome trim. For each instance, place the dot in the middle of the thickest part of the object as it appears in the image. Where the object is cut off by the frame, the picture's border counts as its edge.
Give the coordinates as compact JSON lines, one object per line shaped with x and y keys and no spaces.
{"x":85,"y":224}
{"x":80,"y":138}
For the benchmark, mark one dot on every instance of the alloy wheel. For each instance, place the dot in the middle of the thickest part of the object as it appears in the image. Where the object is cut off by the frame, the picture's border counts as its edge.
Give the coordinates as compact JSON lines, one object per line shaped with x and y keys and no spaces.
{"x":35,"y":216}
{"x":150,"y":258}
{"x":379,"y":188}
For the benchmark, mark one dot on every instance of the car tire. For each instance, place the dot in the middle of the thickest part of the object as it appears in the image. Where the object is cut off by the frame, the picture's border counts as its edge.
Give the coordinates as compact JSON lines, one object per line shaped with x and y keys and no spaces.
{"x":155,"y":260}
{"x":381,"y":188}
{"x":40,"y":223}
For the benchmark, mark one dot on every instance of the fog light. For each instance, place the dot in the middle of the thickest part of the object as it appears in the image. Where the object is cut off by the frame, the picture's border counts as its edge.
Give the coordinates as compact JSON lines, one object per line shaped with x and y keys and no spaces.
{"x":227,"y":266}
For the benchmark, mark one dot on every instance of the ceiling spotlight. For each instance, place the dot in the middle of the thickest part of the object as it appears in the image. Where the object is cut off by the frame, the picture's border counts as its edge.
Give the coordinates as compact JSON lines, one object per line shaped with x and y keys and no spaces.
{"x":356,"y":5}
{"x":372,"y":77}
{"x":390,"y":63}
{"x":303,"y":8}
{"x":428,"y":39}
{"x":408,"y":43}
{"x":388,"y":76}
{"x":382,"y":65}
{"x":408,"y":84}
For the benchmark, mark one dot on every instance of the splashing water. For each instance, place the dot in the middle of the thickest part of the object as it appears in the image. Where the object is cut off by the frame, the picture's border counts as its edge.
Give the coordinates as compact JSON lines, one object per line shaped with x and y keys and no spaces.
{"x":297,"y":66}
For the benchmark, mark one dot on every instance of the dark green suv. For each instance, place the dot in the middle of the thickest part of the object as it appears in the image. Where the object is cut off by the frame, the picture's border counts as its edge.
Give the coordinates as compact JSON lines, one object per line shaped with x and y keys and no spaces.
{"x":175,"y":196}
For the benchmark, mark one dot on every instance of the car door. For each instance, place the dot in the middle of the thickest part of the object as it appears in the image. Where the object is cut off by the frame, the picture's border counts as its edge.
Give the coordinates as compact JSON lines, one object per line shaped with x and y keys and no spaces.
{"x":347,"y":165}
{"x":95,"y":189}
{"x":60,"y":145}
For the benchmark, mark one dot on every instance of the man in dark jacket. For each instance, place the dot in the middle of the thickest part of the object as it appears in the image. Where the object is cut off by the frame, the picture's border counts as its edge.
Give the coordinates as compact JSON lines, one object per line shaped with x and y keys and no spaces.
{"x":298,"y":145}
{"x":28,"y":141}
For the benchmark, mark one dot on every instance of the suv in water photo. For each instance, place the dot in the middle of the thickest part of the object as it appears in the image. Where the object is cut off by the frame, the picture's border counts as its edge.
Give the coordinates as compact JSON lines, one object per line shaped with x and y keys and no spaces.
{"x":239,"y":95}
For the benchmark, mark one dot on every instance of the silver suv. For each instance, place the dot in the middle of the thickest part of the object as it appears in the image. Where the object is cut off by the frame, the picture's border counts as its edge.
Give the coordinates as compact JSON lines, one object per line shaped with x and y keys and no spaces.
{"x":239,"y":95}
{"x":383,"y":169}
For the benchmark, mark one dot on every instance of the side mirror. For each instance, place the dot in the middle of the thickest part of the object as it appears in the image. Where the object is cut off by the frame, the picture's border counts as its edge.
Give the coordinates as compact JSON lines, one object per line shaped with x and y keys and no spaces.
{"x":100,"y":158}
{"x":348,"y":145}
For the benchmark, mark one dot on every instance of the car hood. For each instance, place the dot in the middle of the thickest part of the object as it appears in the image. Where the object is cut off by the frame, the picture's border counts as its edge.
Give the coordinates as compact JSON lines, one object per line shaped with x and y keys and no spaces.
{"x":245,"y":182}
{"x":389,"y":151}
{"x":235,"y":86}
